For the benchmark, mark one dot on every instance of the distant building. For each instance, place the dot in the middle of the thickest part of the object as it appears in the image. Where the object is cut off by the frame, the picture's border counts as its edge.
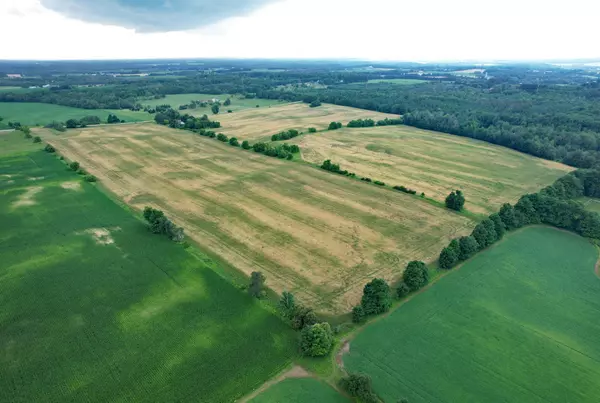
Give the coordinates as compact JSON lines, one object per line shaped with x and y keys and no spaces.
{"x":14,"y":76}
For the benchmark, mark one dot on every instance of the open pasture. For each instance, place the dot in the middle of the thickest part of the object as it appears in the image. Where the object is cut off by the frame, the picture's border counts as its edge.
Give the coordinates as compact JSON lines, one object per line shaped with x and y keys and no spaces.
{"x":317,"y":234}
{"x":517,"y":323}
{"x":39,"y":114}
{"x":95,"y":308}
{"x":260,"y":124}
{"x":237,"y":102}
{"x":434,"y":163}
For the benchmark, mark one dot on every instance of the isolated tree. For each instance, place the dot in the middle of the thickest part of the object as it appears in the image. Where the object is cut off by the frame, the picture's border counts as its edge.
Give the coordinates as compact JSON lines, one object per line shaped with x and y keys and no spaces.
{"x":455,"y":200}
{"x":468,"y":247}
{"x":358,"y":314}
{"x":74,"y":166}
{"x":37,"y":139}
{"x":448,"y":258}
{"x":316,"y":340}
{"x":113,"y":119}
{"x":49,"y":148}
{"x":246,"y":145}
{"x":234,"y":142}
{"x":415,"y":275}
{"x":227,"y":102}
{"x":315,"y":103}
{"x":402,"y":290}
{"x":287,"y":304}
{"x":376,"y":297}
{"x":257,"y":283}
{"x":215,"y":108}
{"x":312,"y":130}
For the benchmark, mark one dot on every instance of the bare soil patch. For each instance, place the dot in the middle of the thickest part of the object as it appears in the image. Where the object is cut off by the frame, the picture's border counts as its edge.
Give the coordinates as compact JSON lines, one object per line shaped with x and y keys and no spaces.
{"x":102,"y":236}
{"x":27,"y":198}
{"x":71,"y":185}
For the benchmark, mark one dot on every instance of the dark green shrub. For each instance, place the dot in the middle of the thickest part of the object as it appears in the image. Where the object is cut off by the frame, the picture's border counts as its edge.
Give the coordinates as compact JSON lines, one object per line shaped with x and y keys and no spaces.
{"x":376,"y":297}
{"x":90,"y":178}
{"x":415,"y":275}
{"x":74,"y":166}
{"x":358,"y":314}
{"x":402,"y":290}
{"x":316,"y":340}
{"x":37,"y":139}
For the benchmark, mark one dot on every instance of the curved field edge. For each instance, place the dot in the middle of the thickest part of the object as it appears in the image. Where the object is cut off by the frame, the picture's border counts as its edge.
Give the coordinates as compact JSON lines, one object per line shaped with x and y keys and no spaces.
{"x":515,"y":323}
{"x":96,"y":308}
{"x":300,"y":390}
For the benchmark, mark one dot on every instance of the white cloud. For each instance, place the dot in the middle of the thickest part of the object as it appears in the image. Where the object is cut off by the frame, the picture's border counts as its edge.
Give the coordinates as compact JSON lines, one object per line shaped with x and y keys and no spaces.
{"x":377,"y":29}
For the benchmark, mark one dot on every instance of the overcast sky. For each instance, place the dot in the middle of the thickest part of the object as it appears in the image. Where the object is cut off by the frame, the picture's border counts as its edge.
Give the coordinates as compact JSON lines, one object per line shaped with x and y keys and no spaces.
{"x":360,"y":29}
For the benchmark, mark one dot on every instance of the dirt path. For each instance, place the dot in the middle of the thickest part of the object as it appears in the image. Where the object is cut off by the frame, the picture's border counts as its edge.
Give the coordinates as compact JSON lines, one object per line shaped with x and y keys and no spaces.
{"x":295,"y":372}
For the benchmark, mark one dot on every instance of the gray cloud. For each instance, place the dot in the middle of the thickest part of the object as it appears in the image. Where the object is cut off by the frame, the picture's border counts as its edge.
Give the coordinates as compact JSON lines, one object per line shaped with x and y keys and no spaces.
{"x":154,"y":15}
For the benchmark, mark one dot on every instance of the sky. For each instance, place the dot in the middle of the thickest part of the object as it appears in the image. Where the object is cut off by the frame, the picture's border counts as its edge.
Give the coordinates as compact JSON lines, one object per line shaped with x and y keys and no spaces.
{"x":433,"y":30}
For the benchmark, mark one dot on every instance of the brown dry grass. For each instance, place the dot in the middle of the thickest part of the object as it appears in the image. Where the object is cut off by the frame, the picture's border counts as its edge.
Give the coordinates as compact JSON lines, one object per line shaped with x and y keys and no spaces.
{"x":256,"y":124}
{"x":434,"y":163}
{"x":319,"y":235}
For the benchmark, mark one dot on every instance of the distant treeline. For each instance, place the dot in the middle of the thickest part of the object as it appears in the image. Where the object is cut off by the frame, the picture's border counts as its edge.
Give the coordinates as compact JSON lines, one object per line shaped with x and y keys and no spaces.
{"x":560,"y":123}
{"x":554,"y":205}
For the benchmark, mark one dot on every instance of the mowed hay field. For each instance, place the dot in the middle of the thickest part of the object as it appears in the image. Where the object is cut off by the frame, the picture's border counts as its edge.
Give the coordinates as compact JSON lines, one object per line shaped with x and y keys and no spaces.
{"x":517,"y":323}
{"x":260,"y":124}
{"x":39,"y":114}
{"x":434,"y":163}
{"x":300,"y":390}
{"x":95,"y":308}
{"x":317,"y":234}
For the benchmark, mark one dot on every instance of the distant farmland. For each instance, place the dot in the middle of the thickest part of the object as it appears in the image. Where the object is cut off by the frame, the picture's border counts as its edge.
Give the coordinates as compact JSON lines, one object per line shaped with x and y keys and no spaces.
{"x":320,"y":235}
{"x":95,"y":308}
{"x":34,"y":114}
{"x":517,"y":323}
{"x":434,"y":163}
{"x":237,"y":102}
{"x":262,"y":123}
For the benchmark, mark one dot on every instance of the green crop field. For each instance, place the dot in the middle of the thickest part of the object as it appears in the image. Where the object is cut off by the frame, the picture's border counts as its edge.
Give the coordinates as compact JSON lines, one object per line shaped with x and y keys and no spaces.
{"x":237,"y":102}
{"x":39,"y":114}
{"x":517,"y":323}
{"x":300,"y":390}
{"x":399,"y":81}
{"x":95,"y":308}
{"x":18,"y":89}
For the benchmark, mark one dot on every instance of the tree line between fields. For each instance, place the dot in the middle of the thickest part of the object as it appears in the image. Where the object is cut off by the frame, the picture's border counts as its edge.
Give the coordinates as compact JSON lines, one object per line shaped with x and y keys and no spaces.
{"x":174,"y":119}
{"x":72,"y":123}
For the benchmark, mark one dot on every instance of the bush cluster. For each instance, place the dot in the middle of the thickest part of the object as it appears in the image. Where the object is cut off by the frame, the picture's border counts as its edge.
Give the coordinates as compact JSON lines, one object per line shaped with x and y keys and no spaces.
{"x":334,"y":126}
{"x":172,"y":118}
{"x":361,"y":123}
{"x":280,"y":151}
{"x":159,"y":224}
{"x":58,"y":126}
{"x":390,"y":122}
{"x":335,"y":168}
{"x":315,"y":103}
{"x":405,"y":190}
{"x":553,"y":205}
{"x":285,"y":135}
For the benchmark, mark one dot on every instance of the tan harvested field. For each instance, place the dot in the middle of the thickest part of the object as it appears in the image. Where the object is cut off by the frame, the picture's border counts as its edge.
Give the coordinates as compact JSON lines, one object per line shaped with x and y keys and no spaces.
{"x":262,"y":123}
{"x":319,"y":235}
{"x":434,"y":163}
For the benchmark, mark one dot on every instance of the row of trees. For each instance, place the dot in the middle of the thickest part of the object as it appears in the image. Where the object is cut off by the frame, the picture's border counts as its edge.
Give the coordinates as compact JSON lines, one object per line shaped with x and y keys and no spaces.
{"x":554,"y":205}
{"x":361,"y":123}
